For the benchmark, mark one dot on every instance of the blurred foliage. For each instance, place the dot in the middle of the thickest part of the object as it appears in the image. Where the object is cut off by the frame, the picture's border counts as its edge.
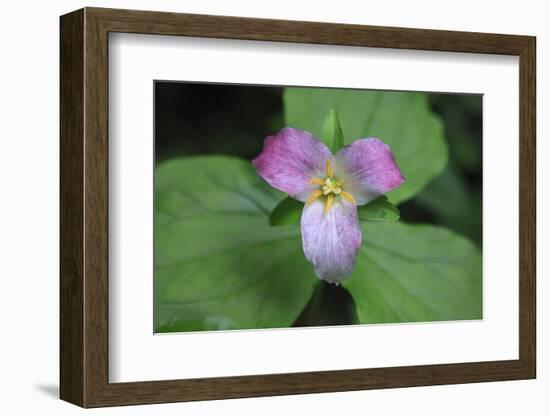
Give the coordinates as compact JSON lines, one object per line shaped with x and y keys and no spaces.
{"x":193,"y":119}
{"x":220,"y":265}
{"x":454,"y":197}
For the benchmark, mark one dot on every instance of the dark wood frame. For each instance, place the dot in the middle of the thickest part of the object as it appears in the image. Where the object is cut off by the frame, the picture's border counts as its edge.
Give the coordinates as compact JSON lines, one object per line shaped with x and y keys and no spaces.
{"x":84,"y":208}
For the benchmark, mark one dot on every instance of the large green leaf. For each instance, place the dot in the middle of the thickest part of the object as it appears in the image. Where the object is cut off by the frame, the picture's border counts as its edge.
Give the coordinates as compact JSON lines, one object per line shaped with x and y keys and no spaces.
{"x":401,"y":119}
{"x":413,"y":273}
{"x":218,"y":262}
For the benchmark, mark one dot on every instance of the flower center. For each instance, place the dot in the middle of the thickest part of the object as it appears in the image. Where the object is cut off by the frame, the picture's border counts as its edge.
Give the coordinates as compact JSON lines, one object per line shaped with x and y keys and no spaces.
{"x":331,"y":185}
{"x":329,"y":188}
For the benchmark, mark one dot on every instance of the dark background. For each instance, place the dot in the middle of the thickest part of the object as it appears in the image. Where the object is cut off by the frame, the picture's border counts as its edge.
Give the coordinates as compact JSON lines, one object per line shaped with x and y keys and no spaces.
{"x":198,"y":118}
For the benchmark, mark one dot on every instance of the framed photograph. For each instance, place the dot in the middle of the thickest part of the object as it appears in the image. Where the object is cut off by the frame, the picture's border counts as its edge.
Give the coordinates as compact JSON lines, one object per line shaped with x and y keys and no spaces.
{"x":263,"y":207}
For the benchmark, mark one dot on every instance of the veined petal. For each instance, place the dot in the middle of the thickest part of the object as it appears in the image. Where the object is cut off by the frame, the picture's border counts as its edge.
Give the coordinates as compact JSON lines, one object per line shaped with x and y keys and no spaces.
{"x":331,"y":240}
{"x":368,"y":169}
{"x":289,"y":161}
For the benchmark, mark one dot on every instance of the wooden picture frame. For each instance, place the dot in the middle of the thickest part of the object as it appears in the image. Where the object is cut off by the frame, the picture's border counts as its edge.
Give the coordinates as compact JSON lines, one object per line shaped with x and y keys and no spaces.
{"x":84,"y":207}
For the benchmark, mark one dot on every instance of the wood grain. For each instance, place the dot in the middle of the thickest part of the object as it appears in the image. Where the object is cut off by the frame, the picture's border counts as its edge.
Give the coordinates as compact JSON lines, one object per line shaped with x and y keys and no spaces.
{"x":71,"y":100}
{"x":527,"y":208}
{"x":84,"y":207}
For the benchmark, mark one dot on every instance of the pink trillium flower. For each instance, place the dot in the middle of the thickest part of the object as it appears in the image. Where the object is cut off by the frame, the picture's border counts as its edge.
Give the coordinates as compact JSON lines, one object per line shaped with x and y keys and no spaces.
{"x":332,"y":186}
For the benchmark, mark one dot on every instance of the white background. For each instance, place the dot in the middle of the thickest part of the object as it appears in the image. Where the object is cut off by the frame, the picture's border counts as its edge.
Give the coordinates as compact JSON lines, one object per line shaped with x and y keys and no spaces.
{"x":29,"y":217}
{"x":136,"y":355}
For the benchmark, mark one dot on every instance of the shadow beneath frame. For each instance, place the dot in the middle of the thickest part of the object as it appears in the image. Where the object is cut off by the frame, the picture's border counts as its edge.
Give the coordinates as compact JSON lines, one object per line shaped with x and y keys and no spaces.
{"x":51,"y":390}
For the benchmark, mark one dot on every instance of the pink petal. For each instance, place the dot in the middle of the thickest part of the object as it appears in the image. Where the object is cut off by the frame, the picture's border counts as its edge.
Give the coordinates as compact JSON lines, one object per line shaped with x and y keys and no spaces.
{"x":290,"y":159}
{"x":331,"y":240}
{"x":368,"y":169}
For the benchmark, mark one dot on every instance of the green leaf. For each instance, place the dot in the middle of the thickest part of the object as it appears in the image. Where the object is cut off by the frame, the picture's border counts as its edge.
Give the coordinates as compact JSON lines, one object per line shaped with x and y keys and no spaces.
{"x":378,"y":210}
{"x":415,"y":273}
{"x":401,"y":119}
{"x":218,"y":262}
{"x":332,"y":132}
{"x":287,"y":212}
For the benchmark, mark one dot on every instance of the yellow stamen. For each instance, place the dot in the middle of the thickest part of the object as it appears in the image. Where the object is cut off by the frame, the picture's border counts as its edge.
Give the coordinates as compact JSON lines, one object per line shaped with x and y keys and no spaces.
{"x":314,"y":195}
{"x":330,"y":172}
{"x":330,"y":201}
{"x":316,"y":181}
{"x":348,"y":197}
{"x":329,"y":187}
